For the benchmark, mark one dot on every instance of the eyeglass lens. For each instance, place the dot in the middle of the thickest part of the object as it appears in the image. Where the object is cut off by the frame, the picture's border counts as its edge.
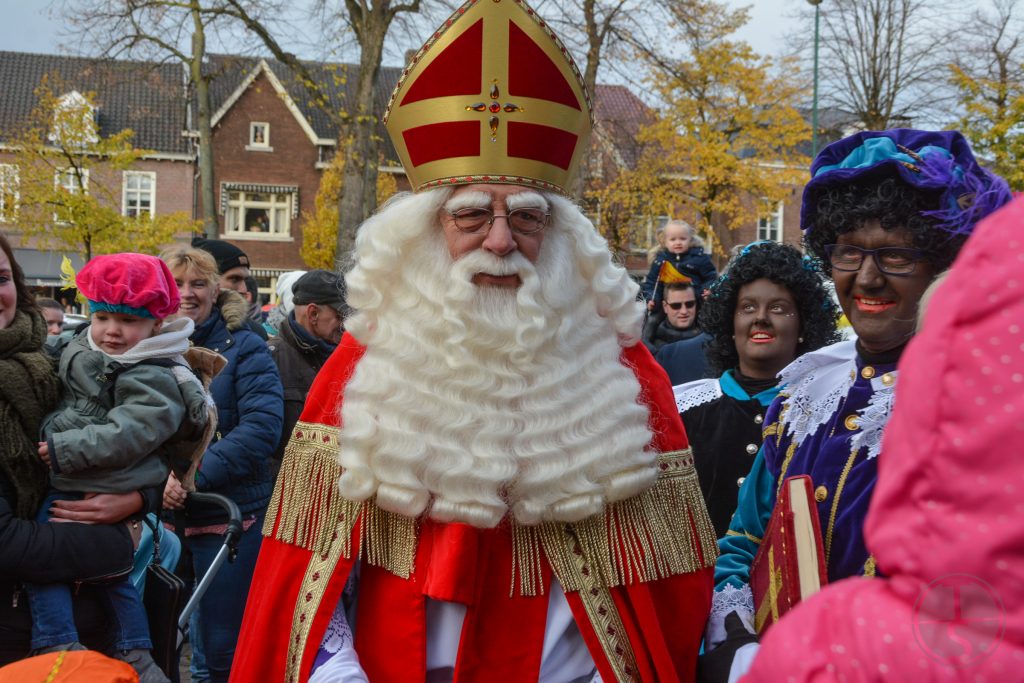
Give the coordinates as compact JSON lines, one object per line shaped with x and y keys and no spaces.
{"x":520,"y":220}
{"x":892,"y":260}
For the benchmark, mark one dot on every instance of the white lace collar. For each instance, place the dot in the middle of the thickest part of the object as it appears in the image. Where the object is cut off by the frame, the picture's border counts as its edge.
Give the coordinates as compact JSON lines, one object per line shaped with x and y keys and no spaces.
{"x":816,"y":383}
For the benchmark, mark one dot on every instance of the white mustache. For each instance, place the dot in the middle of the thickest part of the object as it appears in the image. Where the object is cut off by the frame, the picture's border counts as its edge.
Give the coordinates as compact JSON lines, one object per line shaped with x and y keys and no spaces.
{"x":481,"y":261}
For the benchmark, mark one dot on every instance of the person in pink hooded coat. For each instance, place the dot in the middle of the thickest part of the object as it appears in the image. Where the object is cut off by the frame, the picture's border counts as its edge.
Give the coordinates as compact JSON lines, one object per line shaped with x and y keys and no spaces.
{"x":945,"y":522}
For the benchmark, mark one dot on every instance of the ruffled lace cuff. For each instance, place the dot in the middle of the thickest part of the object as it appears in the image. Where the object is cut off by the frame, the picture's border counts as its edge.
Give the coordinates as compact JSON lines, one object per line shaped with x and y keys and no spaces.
{"x":729,"y":599}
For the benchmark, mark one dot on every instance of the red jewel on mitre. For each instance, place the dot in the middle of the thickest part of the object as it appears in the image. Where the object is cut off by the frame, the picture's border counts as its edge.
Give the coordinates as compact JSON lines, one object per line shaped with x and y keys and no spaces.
{"x":492,"y":94}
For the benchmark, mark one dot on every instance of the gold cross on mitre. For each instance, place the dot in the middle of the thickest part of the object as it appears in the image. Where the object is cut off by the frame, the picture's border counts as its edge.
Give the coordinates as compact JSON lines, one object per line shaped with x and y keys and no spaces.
{"x":499,"y":59}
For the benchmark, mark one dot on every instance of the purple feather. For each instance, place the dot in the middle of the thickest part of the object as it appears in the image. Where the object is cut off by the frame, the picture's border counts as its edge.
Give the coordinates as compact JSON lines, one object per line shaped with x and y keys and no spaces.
{"x":971,"y":194}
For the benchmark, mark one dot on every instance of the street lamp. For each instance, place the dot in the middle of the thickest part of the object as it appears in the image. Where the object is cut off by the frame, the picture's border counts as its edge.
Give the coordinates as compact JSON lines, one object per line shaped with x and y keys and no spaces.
{"x":814,"y":104}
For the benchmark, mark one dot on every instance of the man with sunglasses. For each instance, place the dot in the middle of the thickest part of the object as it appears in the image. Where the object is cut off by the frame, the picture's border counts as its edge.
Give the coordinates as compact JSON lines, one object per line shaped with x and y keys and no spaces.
{"x":490,"y":479}
{"x":678,"y":320}
{"x":674,"y":337}
{"x":883,"y":214}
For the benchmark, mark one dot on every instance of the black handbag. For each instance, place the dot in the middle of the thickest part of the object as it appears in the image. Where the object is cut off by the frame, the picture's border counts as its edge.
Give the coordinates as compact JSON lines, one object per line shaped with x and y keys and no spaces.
{"x":164,"y":598}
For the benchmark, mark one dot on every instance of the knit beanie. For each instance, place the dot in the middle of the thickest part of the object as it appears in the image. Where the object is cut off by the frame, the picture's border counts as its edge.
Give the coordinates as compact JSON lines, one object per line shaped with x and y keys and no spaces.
{"x":133,"y":284}
{"x":226,"y":255}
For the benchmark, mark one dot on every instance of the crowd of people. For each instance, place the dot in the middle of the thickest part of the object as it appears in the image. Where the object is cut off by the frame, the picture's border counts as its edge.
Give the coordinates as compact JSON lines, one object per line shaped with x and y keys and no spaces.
{"x":485,"y":452}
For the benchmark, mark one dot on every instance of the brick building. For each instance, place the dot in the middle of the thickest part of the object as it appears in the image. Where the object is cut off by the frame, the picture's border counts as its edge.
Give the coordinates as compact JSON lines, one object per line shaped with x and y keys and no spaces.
{"x":146,"y":97}
{"x":271,"y":146}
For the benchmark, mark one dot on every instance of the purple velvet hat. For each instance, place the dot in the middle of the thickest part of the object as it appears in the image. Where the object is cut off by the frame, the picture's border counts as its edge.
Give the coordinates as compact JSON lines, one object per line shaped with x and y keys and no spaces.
{"x":930,"y":160}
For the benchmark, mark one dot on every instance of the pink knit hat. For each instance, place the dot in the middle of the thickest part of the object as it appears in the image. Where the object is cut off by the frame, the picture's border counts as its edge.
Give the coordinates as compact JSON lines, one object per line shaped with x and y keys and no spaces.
{"x":135,"y":284}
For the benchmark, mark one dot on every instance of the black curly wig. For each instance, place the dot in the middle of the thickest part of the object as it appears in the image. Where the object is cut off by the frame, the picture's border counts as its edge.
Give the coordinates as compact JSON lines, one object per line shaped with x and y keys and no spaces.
{"x":783,"y":265}
{"x":840,"y":209}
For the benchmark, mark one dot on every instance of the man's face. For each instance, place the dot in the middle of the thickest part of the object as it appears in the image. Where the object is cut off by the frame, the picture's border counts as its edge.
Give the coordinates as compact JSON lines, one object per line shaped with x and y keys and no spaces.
{"x":324,"y":322}
{"x":680,"y":308}
{"x":498,"y":237}
{"x":235,"y":279}
{"x":54,"y":318}
{"x":882,"y":308}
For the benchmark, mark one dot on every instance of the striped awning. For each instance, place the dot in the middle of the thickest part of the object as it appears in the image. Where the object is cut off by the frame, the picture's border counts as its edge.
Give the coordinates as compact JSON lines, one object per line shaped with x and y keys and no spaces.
{"x":227,"y":188}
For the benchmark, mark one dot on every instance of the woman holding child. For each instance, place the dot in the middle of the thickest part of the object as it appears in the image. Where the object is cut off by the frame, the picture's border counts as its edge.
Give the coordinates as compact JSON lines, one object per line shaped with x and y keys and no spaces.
{"x":30,"y":550}
{"x":250,"y":405}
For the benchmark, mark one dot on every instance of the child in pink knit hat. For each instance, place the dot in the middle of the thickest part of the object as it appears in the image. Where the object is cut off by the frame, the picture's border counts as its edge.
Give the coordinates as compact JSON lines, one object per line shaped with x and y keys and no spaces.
{"x":127,"y":396}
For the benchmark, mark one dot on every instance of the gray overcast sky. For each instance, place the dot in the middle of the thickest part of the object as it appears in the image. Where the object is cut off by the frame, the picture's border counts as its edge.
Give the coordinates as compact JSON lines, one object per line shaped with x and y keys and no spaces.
{"x":27,"y":27}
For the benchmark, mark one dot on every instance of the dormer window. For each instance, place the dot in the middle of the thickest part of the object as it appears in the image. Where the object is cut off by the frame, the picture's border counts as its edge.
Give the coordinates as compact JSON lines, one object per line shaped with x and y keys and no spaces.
{"x":259,"y":135}
{"x":74,"y":121}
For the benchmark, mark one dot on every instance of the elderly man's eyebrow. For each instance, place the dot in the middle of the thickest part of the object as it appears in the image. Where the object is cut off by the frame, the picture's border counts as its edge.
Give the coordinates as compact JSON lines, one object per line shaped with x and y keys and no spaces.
{"x":464,"y":200}
{"x":523,"y":200}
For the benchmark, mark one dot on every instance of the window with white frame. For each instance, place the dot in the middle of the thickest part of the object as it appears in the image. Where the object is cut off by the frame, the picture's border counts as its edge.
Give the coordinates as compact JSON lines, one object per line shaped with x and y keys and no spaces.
{"x":138,"y":193}
{"x":255,"y":213}
{"x":74,"y":121}
{"x":72,"y":181}
{"x":10,"y":187}
{"x":769,"y":224}
{"x":259,"y":134}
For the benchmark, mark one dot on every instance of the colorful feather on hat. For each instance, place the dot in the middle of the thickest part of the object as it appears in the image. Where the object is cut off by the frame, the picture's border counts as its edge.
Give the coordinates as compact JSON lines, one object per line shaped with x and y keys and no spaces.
{"x":973,"y":193}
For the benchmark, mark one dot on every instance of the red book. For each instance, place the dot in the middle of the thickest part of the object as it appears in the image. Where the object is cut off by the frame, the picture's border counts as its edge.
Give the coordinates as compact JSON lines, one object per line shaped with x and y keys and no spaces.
{"x":790,"y":565}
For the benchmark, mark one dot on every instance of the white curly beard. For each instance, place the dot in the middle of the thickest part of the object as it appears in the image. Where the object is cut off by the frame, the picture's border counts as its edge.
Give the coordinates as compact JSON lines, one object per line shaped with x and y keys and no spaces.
{"x":471,"y":401}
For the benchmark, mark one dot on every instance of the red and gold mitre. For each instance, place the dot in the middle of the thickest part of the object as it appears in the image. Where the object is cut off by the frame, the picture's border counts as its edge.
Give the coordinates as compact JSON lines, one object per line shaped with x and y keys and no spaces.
{"x":492,"y":97}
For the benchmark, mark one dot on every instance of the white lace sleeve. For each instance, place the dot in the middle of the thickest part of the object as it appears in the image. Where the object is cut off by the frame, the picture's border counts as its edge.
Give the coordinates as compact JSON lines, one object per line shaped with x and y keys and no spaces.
{"x":729,"y":599}
{"x":695,"y":393}
{"x":342,"y":666}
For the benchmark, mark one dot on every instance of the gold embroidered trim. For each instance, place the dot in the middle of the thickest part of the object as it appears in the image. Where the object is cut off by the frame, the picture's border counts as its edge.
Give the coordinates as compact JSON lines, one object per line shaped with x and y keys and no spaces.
{"x":870,"y":569}
{"x":580,"y":569}
{"x":746,"y":534}
{"x":770,"y":603}
{"x":785,"y":467}
{"x":314,"y":584}
{"x":835,"y":501}
{"x":641,"y":539}
{"x":770,"y":430}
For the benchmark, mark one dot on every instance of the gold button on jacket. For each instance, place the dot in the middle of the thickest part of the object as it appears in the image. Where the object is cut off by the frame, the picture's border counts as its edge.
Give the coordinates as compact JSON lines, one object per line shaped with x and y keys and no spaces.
{"x":820,"y":494}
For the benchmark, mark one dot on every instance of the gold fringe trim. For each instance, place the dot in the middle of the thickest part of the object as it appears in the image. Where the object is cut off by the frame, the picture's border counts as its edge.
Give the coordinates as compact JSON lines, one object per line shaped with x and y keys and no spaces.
{"x":660,"y":533}
{"x":306,"y":494}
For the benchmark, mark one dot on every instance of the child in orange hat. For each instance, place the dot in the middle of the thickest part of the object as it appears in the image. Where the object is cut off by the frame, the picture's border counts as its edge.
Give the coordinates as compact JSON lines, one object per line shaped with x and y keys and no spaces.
{"x":127,"y":394}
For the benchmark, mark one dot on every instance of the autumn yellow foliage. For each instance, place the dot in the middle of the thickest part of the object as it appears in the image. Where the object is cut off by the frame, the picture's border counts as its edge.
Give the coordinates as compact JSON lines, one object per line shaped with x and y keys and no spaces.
{"x":320,"y":227}
{"x":725,"y":139}
{"x":69,"y":183}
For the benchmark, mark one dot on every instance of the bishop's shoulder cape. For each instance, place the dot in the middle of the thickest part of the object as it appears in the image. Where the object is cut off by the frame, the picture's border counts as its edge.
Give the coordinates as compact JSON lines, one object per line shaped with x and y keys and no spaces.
{"x":637,"y":577}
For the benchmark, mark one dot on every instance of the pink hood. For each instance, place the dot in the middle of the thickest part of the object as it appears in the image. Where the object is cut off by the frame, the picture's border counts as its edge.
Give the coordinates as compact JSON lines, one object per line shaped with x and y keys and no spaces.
{"x":946,"y":524}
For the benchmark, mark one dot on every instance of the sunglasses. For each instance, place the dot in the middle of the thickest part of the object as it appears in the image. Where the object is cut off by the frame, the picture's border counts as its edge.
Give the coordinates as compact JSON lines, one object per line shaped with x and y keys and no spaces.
{"x":679,"y":304}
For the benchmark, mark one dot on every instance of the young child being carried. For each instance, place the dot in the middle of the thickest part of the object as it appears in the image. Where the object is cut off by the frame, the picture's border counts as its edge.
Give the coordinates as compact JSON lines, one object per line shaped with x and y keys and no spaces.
{"x":678,"y":248}
{"x":127,"y":397}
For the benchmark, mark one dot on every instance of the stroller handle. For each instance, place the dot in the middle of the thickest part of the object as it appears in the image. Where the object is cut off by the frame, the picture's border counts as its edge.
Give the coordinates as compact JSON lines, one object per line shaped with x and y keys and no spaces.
{"x":234,"y":532}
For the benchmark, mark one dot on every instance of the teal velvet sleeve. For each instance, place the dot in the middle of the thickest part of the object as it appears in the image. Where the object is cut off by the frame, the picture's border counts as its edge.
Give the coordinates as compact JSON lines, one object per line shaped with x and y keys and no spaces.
{"x":740,"y":544}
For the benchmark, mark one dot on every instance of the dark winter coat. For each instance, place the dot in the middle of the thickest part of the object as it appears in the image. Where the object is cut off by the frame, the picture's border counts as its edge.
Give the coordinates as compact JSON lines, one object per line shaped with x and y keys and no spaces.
{"x":658,"y":332}
{"x":723,"y":424}
{"x":111,"y":444}
{"x":298,"y":360}
{"x":250,"y":405}
{"x":693,"y":263}
{"x":685,"y":361}
{"x":48,"y":553}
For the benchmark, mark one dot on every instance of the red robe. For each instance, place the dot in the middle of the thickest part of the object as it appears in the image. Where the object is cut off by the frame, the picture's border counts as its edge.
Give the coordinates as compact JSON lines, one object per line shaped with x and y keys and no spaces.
{"x":638,"y":578}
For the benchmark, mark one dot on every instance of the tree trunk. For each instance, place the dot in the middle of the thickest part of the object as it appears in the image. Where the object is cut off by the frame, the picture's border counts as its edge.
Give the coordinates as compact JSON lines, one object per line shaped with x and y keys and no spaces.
{"x":359,"y":188}
{"x":202,"y":90}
